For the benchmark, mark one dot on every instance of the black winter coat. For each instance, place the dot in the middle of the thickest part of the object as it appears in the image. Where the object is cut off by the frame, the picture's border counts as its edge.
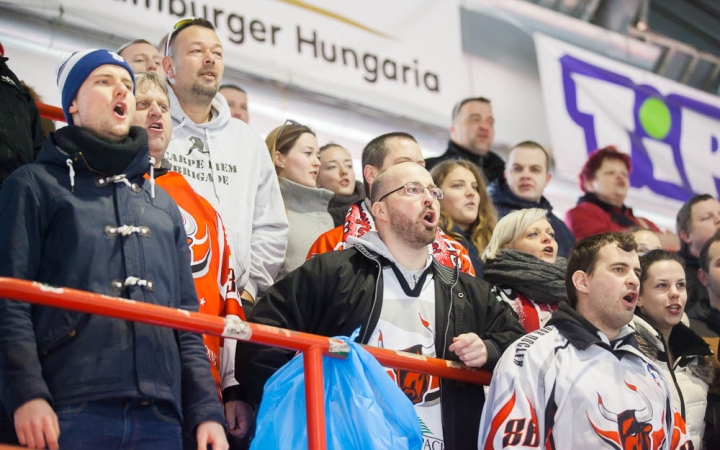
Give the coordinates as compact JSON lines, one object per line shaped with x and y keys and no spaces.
{"x":335,"y":293}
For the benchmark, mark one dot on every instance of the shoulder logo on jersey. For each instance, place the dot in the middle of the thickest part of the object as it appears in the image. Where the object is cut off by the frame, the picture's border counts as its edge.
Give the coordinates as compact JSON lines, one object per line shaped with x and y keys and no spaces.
{"x":196,"y":144}
{"x":199,"y":243}
{"x":420,"y":388}
{"x":634,"y":429}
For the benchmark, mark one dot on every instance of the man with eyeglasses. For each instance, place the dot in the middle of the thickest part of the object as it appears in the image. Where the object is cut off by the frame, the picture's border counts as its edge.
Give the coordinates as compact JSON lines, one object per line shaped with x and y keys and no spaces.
{"x":471,"y":137}
{"x":224,"y":160}
{"x":379,"y":154}
{"x":389,"y":285}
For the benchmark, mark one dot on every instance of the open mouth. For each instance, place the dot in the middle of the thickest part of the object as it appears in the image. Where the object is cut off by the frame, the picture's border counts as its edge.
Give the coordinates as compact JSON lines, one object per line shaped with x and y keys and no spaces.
{"x":549,"y":250}
{"x":345,"y":182}
{"x":429,"y":218}
{"x":120,"y":109}
{"x":675,"y":309}
{"x":209,"y":75}
{"x":156,"y":126}
{"x":630,"y":298}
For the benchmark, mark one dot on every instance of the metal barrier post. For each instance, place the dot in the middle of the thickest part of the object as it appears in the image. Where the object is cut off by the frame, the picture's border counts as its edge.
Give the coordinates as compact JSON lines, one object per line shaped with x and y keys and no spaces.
{"x":315,"y":398}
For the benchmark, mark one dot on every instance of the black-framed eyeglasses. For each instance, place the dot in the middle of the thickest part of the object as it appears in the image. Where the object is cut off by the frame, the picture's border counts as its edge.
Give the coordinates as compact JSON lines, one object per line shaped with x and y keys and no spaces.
{"x":184,"y":23}
{"x":282,"y":128}
{"x":414,"y":189}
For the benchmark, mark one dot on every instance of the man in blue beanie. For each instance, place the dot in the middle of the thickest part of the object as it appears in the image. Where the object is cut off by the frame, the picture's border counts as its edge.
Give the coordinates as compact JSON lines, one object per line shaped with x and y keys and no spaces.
{"x":84,"y":216}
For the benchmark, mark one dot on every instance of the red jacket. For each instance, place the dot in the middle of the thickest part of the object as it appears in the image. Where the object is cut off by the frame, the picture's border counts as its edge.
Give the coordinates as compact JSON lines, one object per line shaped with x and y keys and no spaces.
{"x":588,"y":218}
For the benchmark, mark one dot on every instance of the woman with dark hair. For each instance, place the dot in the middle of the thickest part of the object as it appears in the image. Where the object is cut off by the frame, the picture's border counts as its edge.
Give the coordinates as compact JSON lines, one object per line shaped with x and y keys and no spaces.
{"x":466,"y":210}
{"x":686,"y":359}
{"x":294,"y":150}
{"x":337,"y":174}
{"x":522,"y":264}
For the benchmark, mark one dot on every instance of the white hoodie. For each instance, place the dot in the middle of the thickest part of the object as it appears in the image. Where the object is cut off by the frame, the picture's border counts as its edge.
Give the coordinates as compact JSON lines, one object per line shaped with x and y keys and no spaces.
{"x":227,"y":162}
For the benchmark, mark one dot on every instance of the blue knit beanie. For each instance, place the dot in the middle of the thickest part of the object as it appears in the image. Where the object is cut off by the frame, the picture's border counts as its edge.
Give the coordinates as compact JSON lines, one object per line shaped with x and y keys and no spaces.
{"x":73,"y":73}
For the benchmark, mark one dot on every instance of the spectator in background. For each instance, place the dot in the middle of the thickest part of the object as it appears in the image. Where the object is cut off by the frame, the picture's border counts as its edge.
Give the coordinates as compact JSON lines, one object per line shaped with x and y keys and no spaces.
{"x":21,"y":133}
{"x":605,"y":180}
{"x":389,"y":284}
{"x":697,"y":221}
{"x":224,"y":160}
{"x":683,"y":357}
{"x":522,"y":264}
{"x":646,"y":240}
{"x":581,"y":381}
{"x":466,"y":211}
{"x":237,"y":101}
{"x":471,"y":137}
{"x":294,"y":151}
{"x":705,"y":321}
{"x":209,"y":250}
{"x":83,"y":216}
{"x":337,"y":174}
{"x":142,"y":56}
{"x":378,"y":155}
{"x":526,"y":176}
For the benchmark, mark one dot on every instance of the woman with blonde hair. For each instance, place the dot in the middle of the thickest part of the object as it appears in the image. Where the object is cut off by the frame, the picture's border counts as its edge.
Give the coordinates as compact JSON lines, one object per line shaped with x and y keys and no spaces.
{"x":466,"y":210}
{"x":294,"y":150}
{"x":522,"y":264}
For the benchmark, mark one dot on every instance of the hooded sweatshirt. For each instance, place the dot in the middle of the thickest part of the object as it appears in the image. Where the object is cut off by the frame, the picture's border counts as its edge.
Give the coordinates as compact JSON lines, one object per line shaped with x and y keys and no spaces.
{"x":227,"y":163}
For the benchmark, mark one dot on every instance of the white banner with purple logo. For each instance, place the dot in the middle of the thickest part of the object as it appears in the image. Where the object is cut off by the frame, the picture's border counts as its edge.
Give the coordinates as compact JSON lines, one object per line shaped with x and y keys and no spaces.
{"x":670,"y":130}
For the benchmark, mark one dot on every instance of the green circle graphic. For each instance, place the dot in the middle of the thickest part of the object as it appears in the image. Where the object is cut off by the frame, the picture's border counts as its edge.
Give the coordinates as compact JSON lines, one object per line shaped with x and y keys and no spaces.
{"x":655,"y":118}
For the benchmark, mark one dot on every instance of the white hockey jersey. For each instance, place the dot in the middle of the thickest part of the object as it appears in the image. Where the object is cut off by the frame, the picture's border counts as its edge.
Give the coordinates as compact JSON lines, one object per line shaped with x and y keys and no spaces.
{"x":566,"y":386}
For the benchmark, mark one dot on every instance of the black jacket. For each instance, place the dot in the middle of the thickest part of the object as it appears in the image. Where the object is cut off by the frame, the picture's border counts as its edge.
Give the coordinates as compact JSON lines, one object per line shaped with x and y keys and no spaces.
{"x":21,"y":133}
{"x":491,"y":165}
{"x":506,"y":202}
{"x":335,"y":293}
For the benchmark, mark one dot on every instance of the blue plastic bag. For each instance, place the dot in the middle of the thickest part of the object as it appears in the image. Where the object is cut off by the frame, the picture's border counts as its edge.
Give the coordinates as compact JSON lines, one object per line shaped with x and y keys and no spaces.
{"x":364,"y":408}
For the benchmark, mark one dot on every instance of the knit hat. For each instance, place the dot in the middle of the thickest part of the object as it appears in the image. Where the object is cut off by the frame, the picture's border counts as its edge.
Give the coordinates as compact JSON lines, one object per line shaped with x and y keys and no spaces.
{"x":78,"y":67}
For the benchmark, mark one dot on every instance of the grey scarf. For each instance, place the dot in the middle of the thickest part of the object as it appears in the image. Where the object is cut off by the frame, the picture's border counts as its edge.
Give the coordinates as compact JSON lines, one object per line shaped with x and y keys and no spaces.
{"x":534,"y":278}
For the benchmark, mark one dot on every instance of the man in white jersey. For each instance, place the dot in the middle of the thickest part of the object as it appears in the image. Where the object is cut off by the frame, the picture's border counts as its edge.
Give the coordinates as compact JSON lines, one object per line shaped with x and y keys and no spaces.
{"x":581,"y":382}
{"x":388,"y":284}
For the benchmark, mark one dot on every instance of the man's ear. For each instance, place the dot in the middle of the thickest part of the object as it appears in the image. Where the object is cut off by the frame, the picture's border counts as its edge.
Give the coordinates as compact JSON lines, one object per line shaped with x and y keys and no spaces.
{"x":73,"y":109}
{"x":684,"y":237}
{"x":547,"y":180}
{"x":369,"y":173}
{"x":702,"y":277}
{"x":167,"y":65}
{"x":580,"y":281}
{"x":379,"y":211}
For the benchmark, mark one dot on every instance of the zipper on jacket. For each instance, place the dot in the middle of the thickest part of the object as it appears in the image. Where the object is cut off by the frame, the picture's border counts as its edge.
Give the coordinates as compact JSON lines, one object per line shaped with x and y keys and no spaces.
{"x":377,"y":283}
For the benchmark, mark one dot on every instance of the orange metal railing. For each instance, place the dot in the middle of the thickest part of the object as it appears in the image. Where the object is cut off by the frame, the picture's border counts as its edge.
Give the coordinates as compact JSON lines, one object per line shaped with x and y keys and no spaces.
{"x":50,"y":112}
{"x":313,"y":346}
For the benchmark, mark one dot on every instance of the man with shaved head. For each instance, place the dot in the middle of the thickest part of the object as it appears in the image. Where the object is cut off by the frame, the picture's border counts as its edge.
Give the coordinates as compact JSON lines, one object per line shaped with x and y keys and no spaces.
{"x":372,"y":285}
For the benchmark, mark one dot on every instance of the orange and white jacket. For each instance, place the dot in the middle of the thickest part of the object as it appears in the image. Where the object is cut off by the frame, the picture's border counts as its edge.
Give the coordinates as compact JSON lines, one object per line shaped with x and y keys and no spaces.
{"x":210,"y":263}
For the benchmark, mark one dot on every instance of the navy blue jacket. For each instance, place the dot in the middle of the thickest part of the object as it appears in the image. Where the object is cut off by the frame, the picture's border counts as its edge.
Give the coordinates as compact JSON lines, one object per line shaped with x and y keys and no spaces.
{"x":506,"y":202}
{"x":61,"y":235}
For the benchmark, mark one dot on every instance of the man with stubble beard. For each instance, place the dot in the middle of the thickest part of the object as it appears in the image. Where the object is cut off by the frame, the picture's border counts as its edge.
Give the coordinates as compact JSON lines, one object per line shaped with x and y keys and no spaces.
{"x":373,"y":285}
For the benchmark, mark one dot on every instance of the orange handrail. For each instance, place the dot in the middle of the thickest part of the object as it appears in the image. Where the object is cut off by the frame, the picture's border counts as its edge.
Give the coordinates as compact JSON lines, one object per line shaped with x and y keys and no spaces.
{"x":312,"y":345}
{"x":50,"y":112}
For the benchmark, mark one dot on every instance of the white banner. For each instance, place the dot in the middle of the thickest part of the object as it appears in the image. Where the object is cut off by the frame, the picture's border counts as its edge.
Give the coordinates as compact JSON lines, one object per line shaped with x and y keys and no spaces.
{"x":670,"y":130}
{"x":400,"y":56}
